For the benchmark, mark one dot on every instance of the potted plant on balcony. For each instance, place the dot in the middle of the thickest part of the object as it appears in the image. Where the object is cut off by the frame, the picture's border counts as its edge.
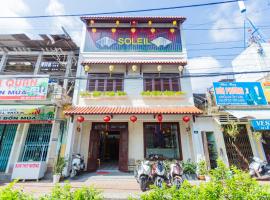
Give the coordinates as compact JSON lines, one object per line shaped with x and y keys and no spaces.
{"x":202,"y":170}
{"x":189,"y":170}
{"x":58,"y":169}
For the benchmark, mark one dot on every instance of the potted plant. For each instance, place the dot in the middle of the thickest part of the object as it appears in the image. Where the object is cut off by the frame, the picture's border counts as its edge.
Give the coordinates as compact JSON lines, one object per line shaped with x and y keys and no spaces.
{"x":202,"y":170}
{"x":189,"y":170}
{"x":58,"y":169}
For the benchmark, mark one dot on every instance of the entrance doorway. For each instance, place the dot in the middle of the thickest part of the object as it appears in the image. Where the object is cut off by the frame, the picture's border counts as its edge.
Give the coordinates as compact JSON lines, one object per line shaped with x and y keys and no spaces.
{"x":108,"y":147}
{"x":210,"y":149}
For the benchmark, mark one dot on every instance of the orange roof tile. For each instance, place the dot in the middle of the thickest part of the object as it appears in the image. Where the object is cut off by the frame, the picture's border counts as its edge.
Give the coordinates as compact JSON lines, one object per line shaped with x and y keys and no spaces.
{"x":99,"y":110}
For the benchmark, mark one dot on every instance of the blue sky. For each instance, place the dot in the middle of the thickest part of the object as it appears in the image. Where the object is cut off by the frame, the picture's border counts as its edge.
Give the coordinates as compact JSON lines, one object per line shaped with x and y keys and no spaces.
{"x":223,"y":44}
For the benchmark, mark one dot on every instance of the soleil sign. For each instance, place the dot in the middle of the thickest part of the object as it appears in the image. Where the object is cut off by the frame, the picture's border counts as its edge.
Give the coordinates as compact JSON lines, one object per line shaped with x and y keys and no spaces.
{"x":162,"y":40}
{"x":23,"y":88}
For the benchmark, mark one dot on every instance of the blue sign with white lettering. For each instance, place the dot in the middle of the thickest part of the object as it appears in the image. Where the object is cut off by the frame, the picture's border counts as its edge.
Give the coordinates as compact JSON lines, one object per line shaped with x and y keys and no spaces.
{"x":239,"y":93}
{"x":260,"y":124}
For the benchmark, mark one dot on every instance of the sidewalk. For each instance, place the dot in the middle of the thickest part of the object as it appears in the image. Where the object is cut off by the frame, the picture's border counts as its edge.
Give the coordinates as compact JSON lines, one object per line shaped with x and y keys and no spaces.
{"x":115,"y":185}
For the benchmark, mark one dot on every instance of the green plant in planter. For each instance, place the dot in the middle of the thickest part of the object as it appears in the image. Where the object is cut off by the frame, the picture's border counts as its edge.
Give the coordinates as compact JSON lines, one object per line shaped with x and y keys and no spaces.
{"x":97,"y":94}
{"x":156,"y":93}
{"x":178,"y":93}
{"x":202,"y":168}
{"x":59,"y":166}
{"x":121,"y":93}
{"x":169,"y":93}
{"x":189,"y":167}
{"x":110,"y":93}
{"x":146,"y":93}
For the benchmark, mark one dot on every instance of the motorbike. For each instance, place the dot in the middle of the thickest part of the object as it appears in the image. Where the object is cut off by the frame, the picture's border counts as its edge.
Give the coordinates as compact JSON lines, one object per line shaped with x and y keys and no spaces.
{"x":158,"y":173}
{"x":142,"y":174}
{"x":259,"y":168}
{"x":175,"y":174}
{"x":78,"y":165}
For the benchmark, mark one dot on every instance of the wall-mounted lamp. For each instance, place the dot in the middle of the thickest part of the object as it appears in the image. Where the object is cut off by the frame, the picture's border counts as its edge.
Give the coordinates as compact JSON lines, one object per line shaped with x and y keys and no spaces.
{"x":180,"y":68}
{"x":159,"y":68}
{"x":134,"y":68}
{"x":87,"y":68}
{"x":94,"y":30}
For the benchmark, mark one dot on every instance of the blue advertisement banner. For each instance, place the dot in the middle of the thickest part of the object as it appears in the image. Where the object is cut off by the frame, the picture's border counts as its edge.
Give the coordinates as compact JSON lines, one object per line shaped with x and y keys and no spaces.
{"x":133,"y":39}
{"x":239,"y":93}
{"x":260,"y":124}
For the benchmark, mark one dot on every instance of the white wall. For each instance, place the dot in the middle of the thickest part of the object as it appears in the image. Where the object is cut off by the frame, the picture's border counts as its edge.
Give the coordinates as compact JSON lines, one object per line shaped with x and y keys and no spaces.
{"x":208,"y":124}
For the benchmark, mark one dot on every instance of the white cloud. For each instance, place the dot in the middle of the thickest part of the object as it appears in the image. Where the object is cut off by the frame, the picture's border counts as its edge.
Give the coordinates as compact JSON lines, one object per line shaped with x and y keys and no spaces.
{"x":228,"y":15}
{"x":71,"y":24}
{"x":205,"y":65}
{"x":14,"y":8}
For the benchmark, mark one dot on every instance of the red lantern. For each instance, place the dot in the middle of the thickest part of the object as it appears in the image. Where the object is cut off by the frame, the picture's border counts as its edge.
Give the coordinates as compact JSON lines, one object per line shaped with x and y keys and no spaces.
{"x":159,"y":117}
{"x":107,"y":118}
{"x":186,"y":119}
{"x":133,"y":23}
{"x":80,"y":119}
{"x":133,"y":118}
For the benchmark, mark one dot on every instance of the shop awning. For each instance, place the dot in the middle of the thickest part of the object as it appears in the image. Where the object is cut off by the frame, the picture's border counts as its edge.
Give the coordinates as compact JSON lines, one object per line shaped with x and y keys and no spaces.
{"x":99,"y":110}
{"x":253,"y":114}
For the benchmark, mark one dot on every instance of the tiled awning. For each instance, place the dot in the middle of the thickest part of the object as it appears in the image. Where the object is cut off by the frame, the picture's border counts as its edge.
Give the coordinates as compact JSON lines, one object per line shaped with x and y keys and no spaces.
{"x":133,"y":61}
{"x":101,"y":110}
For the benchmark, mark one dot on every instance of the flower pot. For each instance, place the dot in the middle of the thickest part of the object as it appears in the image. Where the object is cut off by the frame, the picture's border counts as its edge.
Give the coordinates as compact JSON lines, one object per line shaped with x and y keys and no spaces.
{"x":201,"y":177}
{"x":56,"y":178}
{"x":189,"y":176}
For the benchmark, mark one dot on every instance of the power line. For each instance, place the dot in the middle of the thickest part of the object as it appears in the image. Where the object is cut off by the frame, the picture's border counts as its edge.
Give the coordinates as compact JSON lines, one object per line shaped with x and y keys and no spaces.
{"x":121,"y":12}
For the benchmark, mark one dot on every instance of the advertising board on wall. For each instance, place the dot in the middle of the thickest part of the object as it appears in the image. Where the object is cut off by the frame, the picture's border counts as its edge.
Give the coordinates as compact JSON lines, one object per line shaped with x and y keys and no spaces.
{"x":142,"y":40}
{"x":239,"y":93}
{"x":23,"y":88}
{"x":260,"y":124}
{"x":26,"y":114}
{"x":266,"y":88}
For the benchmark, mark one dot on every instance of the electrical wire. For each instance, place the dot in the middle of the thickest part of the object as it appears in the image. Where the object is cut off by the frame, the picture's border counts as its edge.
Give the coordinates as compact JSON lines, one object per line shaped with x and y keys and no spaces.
{"x":122,"y":12}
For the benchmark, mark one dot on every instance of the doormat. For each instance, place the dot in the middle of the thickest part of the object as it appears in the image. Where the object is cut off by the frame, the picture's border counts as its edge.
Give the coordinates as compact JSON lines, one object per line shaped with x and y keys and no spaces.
{"x":103,"y":172}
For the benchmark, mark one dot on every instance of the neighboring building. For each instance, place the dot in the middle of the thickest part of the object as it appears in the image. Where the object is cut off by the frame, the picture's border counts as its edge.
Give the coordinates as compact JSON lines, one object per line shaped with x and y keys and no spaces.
{"x":33,"y":91}
{"x":131,"y":70}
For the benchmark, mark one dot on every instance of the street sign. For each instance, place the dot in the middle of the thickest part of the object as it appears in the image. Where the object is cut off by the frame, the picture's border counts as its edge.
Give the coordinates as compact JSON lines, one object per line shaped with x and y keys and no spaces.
{"x":239,"y":93}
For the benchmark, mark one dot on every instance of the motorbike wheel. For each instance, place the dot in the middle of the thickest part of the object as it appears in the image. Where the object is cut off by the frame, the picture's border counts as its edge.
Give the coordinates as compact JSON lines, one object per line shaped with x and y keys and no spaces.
{"x":177,"y":181}
{"x":143,"y":183}
{"x":73,"y":173}
{"x":158,"y":182}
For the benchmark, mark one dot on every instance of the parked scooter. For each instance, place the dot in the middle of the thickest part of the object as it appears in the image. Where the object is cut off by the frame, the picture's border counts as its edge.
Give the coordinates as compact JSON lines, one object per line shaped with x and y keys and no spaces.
{"x":259,"y":168}
{"x":175,"y":174}
{"x":78,"y":165}
{"x":158,"y":173}
{"x":142,"y":174}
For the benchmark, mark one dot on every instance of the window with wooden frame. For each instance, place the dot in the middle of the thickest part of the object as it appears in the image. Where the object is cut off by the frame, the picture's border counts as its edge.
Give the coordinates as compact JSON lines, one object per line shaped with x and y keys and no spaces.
{"x":161,"y":82}
{"x":105,"y":82}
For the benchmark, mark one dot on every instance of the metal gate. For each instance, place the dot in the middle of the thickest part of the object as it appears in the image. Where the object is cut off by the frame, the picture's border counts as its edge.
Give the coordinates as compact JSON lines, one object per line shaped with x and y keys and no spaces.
{"x":7,"y":135}
{"x":37,"y":142}
{"x":239,"y":150}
